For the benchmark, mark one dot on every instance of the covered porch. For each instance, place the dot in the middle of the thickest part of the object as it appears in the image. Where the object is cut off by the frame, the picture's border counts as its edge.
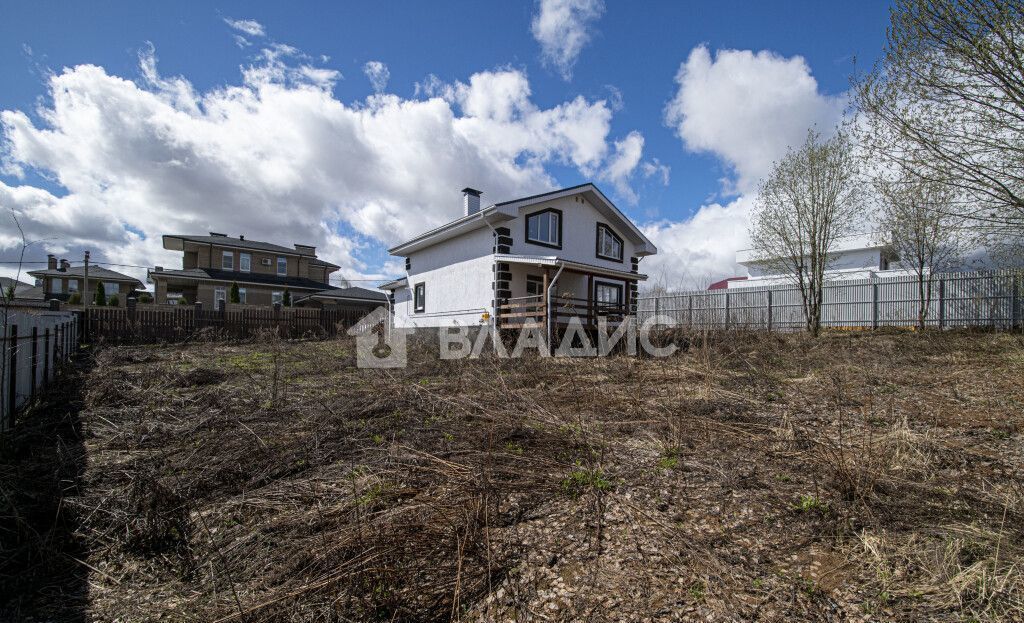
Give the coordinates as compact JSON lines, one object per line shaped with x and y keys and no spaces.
{"x":579,"y":291}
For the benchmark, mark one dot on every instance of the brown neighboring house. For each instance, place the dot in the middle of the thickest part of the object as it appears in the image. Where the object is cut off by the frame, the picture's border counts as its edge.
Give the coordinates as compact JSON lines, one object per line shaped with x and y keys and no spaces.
{"x":211,"y":264}
{"x":61,"y":281}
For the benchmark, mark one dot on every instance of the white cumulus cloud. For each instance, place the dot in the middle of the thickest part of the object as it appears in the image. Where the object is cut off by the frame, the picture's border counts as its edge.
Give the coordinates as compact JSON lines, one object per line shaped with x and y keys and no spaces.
{"x":747,"y":108}
{"x":562,"y":28}
{"x":277,"y":157}
{"x":378,"y":74}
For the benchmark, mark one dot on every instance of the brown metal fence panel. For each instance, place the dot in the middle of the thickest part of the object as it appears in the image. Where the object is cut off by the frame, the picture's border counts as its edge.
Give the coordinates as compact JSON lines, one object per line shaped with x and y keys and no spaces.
{"x":143,"y":324}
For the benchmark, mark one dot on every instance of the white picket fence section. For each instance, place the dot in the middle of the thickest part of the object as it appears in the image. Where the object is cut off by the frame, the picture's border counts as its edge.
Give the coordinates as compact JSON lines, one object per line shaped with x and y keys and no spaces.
{"x":35,"y":344}
{"x":971,"y":299}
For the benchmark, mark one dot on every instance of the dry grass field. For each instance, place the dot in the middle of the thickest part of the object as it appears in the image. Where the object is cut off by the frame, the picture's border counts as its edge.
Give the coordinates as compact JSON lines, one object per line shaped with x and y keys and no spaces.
{"x":750,"y":477}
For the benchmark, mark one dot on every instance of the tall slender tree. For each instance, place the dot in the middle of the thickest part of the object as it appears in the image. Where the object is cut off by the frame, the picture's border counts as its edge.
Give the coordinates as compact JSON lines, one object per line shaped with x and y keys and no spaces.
{"x":918,"y":221}
{"x":809,"y":201}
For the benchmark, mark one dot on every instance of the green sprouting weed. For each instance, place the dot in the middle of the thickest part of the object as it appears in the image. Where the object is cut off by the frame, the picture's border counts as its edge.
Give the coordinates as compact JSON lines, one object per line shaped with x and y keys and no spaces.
{"x":810,"y":503}
{"x":582,"y":479}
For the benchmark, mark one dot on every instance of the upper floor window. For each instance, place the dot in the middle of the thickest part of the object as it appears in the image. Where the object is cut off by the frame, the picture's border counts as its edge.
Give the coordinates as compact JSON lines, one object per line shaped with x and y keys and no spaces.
{"x":244,"y":262}
{"x":545,"y":228}
{"x":420,"y":298}
{"x":227,"y":260}
{"x":609,"y":245}
{"x":282,"y":266}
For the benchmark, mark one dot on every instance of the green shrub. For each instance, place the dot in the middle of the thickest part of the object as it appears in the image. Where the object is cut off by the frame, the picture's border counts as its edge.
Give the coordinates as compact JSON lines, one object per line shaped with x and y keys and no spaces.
{"x":144,"y":297}
{"x":113,"y":301}
{"x":234,"y":296}
{"x":75,"y":298}
{"x":101,"y":296}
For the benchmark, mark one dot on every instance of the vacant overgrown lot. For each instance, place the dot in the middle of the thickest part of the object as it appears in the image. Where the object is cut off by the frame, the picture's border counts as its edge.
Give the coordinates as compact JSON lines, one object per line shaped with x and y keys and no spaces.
{"x":749,"y":477}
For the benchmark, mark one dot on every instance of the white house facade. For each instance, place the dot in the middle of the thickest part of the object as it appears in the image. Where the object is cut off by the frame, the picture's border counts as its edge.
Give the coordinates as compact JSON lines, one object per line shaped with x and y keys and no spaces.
{"x":854,"y":257}
{"x":536,"y":259}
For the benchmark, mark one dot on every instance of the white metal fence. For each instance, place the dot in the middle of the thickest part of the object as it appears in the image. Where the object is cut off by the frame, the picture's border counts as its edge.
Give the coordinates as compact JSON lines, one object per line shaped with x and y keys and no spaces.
{"x":974,"y":299}
{"x":33,"y":347}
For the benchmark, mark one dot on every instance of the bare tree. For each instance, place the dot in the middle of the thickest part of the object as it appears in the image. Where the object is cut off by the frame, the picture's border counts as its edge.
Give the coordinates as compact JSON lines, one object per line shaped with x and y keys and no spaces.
{"x":918,"y":222}
{"x":807,"y":203}
{"x":946,"y":103}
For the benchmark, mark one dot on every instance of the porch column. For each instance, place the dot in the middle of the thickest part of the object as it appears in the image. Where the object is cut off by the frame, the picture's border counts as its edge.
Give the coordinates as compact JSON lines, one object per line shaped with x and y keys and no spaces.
{"x":544,"y":302}
{"x":590,"y":300}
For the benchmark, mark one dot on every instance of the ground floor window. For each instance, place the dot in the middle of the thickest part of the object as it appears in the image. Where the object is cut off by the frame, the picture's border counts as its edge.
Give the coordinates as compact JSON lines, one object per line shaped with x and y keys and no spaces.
{"x":534,"y":285}
{"x":219,"y":294}
{"x":72,"y":285}
{"x":276,"y":297}
{"x":608,"y":294}
{"x":241,"y":296}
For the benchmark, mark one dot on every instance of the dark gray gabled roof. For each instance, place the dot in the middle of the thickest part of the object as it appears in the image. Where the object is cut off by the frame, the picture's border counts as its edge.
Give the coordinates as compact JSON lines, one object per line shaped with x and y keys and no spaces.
{"x":239,"y":243}
{"x":6,"y":282}
{"x":232,"y":276}
{"x":351,"y":293}
{"x":95,"y":272}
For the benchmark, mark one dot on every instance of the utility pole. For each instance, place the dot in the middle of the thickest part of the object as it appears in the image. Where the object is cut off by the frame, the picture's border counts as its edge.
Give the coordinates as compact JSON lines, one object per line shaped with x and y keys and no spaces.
{"x":88,"y":299}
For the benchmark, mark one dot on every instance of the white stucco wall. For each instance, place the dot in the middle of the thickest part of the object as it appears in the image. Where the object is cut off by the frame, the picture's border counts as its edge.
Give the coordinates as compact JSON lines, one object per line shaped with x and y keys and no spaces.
{"x":579,"y":234}
{"x":457,"y":275}
{"x":846,"y":264}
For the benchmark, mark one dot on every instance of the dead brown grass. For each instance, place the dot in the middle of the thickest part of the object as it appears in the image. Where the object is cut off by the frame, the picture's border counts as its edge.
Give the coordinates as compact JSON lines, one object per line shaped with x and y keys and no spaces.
{"x":759,"y":477}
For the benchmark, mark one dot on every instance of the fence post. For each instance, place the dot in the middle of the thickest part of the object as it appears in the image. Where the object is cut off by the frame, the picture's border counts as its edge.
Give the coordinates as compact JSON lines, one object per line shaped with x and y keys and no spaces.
{"x":197,"y":313}
{"x":689,"y":311}
{"x":34,"y":362}
{"x":277,"y":318}
{"x":1015,"y":304}
{"x":874,"y":305}
{"x":726,"y":310}
{"x":769,"y":292}
{"x":657,"y":299}
{"x":942,"y":303}
{"x":12,"y":375}
{"x":46,"y":357}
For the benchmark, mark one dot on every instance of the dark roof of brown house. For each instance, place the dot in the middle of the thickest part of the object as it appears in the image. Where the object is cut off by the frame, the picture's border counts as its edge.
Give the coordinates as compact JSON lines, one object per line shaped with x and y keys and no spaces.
{"x":232,"y":276}
{"x":95,"y":272}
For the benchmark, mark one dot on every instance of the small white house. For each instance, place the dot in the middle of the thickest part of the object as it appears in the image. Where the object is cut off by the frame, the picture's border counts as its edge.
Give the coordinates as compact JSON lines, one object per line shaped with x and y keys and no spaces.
{"x":542,"y":259}
{"x":853,"y":257}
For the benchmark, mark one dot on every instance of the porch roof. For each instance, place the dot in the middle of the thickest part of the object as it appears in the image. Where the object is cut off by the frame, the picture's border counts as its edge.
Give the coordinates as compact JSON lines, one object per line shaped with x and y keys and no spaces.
{"x":576,"y":267}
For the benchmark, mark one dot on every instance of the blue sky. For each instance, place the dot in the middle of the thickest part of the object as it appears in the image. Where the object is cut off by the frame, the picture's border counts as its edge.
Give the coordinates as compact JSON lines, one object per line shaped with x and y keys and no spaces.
{"x":758,"y":75}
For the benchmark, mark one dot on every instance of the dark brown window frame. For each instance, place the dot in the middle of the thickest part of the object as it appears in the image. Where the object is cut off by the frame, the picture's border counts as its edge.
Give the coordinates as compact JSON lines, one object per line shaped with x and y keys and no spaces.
{"x":421,"y":306}
{"x":597,"y":244}
{"x":526,"y":228}
{"x":534,"y":279}
{"x":617,"y":286}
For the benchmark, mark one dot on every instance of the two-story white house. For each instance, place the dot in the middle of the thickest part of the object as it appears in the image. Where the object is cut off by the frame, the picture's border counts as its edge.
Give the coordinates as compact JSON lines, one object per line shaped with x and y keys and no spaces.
{"x":538,"y":259}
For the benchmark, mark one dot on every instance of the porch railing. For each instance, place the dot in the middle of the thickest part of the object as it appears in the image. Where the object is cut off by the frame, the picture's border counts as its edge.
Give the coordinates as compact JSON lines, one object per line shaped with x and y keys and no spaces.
{"x":523,"y":310}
